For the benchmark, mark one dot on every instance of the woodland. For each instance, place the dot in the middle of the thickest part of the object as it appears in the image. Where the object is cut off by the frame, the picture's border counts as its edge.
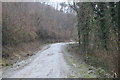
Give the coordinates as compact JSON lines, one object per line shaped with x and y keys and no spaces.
{"x":94,"y":25}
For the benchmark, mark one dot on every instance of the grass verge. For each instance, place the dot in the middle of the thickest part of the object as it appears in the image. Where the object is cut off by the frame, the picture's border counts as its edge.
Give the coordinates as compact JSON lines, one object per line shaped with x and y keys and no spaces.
{"x":14,"y":54}
{"x":97,"y":64}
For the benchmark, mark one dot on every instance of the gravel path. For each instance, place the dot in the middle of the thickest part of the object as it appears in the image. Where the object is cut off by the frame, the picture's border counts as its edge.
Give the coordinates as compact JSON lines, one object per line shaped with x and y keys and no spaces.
{"x":48,"y":63}
{"x":53,"y":61}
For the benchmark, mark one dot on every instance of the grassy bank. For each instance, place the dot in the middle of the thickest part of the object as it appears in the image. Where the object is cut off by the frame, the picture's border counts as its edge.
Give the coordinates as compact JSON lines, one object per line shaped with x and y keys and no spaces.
{"x":100,"y":64}
{"x":15,"y":53}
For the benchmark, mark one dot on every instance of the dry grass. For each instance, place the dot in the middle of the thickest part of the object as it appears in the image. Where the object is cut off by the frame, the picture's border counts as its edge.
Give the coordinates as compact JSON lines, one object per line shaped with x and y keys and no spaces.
{"x":98,"y":58}
{"x":107,"y":59}
{"x":12,"y":54}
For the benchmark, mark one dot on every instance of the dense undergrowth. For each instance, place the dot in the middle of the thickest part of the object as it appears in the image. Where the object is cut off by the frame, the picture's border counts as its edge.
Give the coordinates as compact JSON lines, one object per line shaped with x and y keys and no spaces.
{"x":102,"y":63}
{"x":13,"y":54}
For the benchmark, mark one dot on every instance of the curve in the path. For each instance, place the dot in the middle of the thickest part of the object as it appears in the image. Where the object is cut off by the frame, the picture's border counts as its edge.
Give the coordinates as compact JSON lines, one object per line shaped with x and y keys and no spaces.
{"x":47,"y":64}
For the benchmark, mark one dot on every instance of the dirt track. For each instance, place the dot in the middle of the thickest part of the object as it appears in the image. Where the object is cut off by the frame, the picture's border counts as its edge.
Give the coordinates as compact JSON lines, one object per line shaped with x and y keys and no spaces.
{"x":48,"y":63}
